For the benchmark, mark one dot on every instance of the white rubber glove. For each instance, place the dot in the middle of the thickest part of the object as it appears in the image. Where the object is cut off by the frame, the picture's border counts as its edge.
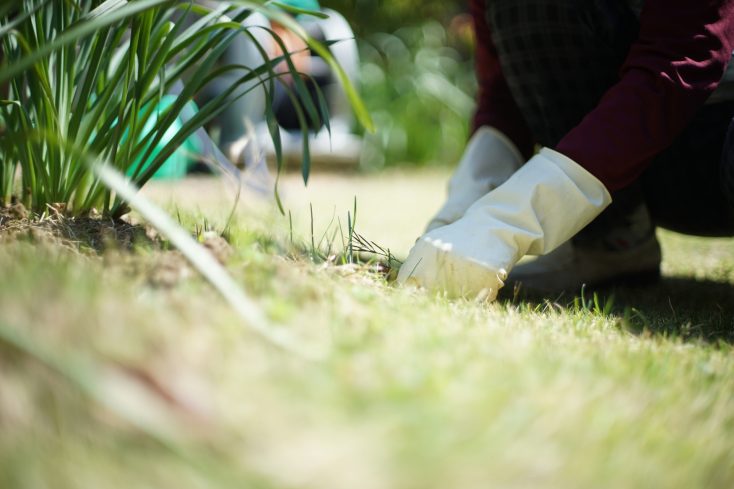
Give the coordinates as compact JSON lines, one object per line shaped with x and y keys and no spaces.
{"x":489,"y":159}
{"x":543,"y":204}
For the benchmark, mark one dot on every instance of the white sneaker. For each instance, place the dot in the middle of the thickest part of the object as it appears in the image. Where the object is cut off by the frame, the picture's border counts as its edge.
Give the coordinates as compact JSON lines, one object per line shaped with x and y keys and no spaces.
{"x":628,"y":253}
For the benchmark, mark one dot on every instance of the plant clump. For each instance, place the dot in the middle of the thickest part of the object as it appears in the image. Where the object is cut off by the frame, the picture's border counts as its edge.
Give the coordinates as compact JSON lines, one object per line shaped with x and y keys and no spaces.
{"x":85,"y":82}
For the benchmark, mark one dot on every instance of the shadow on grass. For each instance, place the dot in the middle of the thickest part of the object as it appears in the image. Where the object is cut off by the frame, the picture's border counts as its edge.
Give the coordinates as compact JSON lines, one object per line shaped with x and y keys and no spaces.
{"x":686,"y":308}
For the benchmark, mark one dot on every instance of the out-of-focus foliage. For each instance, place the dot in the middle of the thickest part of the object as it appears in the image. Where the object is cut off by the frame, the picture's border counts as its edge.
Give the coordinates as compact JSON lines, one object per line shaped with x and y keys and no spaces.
{"x":417,"y":77}
{"x":368,"y":16}
{"x":419,"y":84}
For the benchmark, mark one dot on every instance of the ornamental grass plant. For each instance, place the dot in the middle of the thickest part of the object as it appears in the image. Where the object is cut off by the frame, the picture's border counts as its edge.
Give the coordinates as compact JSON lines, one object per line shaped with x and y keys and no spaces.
{"x":87,"y":78}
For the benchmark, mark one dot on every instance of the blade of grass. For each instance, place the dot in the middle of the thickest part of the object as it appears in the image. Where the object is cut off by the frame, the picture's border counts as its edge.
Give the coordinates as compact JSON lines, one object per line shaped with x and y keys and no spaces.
{"x":203,"y":262}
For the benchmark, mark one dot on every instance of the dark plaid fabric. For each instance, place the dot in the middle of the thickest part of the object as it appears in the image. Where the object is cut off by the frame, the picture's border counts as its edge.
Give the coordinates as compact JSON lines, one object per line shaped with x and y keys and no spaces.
{"x":560,"y":56}
{"x":727,"y":167}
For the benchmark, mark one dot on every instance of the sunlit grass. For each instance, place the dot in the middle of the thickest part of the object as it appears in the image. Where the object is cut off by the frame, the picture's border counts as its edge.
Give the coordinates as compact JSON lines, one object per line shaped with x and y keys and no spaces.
{"x":416,"y":391}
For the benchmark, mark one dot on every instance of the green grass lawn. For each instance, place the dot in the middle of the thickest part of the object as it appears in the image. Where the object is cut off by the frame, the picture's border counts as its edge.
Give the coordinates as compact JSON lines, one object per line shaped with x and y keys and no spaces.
{"x":124,"y":369}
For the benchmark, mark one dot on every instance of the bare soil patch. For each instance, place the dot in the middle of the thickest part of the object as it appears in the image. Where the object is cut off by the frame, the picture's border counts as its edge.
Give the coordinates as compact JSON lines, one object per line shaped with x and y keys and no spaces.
{"x":92,"y":234}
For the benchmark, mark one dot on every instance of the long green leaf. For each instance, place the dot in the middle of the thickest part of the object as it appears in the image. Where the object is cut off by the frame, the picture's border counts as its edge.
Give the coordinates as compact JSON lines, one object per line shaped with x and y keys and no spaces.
{"x":118,"y":10}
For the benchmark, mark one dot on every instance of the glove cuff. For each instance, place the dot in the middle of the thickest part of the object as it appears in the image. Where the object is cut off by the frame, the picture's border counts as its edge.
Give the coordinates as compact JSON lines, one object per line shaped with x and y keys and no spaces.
{"x":585,"y":180}
{"x":490,"y":158}
{"x":511,"y":147}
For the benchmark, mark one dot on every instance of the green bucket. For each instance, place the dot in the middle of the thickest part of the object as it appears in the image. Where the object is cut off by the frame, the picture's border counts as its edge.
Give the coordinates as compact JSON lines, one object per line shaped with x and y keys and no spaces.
{"x":177,"y":165}
{"x":302,"y":4}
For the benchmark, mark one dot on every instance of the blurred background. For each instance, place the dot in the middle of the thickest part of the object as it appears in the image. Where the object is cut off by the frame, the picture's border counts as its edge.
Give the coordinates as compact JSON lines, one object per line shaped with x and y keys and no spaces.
{"x":416,"y":78}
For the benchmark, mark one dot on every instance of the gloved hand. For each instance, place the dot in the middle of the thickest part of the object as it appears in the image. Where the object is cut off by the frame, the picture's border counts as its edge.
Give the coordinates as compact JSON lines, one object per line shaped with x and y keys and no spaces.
{"x":489,"y":160}
{"x":543,"y":204}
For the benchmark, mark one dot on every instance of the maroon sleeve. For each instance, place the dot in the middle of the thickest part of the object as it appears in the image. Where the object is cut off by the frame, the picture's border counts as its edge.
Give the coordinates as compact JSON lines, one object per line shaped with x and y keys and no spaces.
{"x":495,"y":105}
{"x":680,"y":56}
